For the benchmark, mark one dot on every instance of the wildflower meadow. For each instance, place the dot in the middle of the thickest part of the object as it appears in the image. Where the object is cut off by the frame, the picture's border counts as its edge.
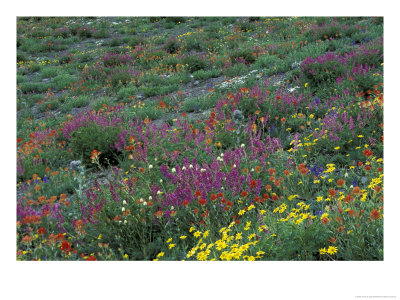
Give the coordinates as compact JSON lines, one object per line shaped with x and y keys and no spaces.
{"x":200,"y":138}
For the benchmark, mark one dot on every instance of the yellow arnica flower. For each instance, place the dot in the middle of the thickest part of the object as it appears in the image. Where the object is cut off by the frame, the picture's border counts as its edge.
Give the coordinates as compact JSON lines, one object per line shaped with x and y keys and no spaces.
{"x":171,"y":246}
{"x":332,"y":250}
{"x":161,"y":254}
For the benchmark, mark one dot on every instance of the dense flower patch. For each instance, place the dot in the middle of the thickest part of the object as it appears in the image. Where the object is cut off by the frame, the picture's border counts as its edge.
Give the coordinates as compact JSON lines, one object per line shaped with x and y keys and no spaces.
{"x":127,"y":165}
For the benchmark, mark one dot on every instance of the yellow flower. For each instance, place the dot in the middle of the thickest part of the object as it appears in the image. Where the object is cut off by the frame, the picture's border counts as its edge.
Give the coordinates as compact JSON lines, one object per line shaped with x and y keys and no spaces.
{"x":161,"y":254}
{"x":322,"y":251}
{"x":332,"y":250}
{"x":337,"y":148}
{"x":171,"y":246}
{"x":238,"y":236}
{"x":169,"y":240}
{"x":183,"y":237}
{"x":205,"y":234}
{"x":262,"y":212}
{"x":306,"y":84}
{"x":197,"y":234}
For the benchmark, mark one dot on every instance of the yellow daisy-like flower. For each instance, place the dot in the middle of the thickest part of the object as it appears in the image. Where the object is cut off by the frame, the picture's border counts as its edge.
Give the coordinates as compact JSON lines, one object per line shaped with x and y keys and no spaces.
{"x":169,"y":240}
{"x":197,"y":234}
{"x":322,"y":251}
{"x":332,"y":250}
{"x":192,"y":229}
{"x":183,"y":237}
{"x":171,"y":246}
{"x":161,"y":254}
{"x":337,"y":148}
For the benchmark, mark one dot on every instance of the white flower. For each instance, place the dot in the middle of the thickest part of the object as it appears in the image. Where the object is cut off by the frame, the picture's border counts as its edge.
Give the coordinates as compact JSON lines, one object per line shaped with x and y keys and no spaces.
{"x":202,"y":170}
{"x":234,"y":165}
{"x":159,"y":192}
{"x":160,"y":180}
{"x":242,"y":145}
{"x":150,"y":197}
{"x":144,"y":203}
{"x":125,"y":221}
{"x":183,"y":168}
{"x":222,"y":155}
{"x":150,"y":166}
{"x":346,"y":175}
{"x":172,"y":208}
{"x":252,"y":170}
{"x":124,"y":202}
{"x":190,"y":166}
{"x":173,"y":170}
{"x":141,"y":200}
{"x":123,"y":208}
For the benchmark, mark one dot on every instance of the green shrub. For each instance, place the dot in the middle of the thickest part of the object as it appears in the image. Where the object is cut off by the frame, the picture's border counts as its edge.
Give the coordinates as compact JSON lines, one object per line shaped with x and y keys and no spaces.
{"x":195,"y":63}
{"x":127,"y":92}
{"x":63,"y":81}
{"x":245,"y":54}
{"x":49,"y":72}
{"x":86,"y":139}
{"x":205,"y":74}
{"x":171,"y":46}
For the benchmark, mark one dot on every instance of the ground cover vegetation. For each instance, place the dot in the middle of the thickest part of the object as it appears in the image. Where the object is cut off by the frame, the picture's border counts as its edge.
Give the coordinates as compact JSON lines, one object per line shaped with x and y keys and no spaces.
{"x":199,"y":138}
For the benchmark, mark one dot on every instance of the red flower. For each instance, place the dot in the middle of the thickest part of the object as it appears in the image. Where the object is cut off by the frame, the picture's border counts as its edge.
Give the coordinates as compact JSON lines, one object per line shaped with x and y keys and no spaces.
{"x":66,"y":246}
{"x":197,"y":193}
{"x":286,"y":172}
{"x":368,"y":152}
{"x":367,"y":168}
{"x":229,"y":203}
{"x":220,"y":195}
{"x":213,"y":197}
{"x":244,"y":194}
{"x":195,"y":210}
{"x":202,"y":201}
{"x":375,"y":214}
{"x":253,"y":183}
{"x":185,"y":202}
{"x":274,"y":197}
{"x":272,"y":171}
{"x":91,"y":258}
{"x":41,"y":230}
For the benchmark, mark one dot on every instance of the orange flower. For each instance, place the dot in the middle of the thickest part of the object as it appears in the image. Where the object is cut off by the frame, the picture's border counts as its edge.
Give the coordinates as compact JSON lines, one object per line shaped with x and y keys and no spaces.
{"x":162,"y":105}
{"x":283,"y":120}
{"x":159,"y":213}
{"x":356,"y":190}
{"x":375,"y":214}
{"x":325,"y":221}
{"x":258,"y":169}
{"x":332,"y":192}
{"x":272,"y":171}
{"x":341,"y":182}
{"x":95,"y":155}
{"x":352,"y":212}
{"x":267,"y":187}
{"x":348,"y":198}
{"x":243,"y":194}
{"x":286,"y":172}
{"x":304,"y":171}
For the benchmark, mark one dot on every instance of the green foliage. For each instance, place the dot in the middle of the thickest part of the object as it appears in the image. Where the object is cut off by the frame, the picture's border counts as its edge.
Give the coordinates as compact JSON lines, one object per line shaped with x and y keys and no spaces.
{"x":194,"y":63}
{"x":86,"y":139}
